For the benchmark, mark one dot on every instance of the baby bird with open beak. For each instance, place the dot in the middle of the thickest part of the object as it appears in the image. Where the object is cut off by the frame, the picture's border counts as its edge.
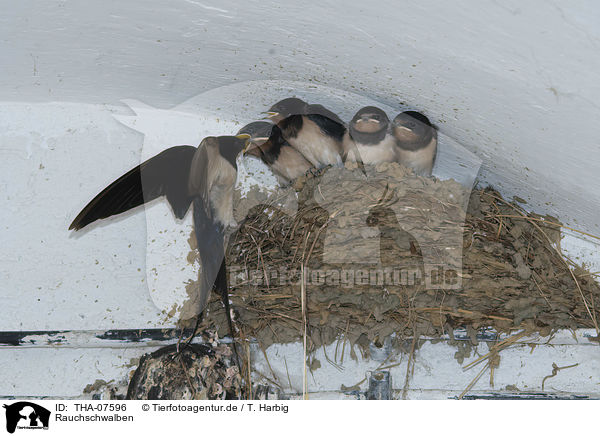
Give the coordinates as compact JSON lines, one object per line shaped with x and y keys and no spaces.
{"x":416,"y":141}
{"x":311,"y":129}
{"x":368,"y":133}
{"x":267,"y":143}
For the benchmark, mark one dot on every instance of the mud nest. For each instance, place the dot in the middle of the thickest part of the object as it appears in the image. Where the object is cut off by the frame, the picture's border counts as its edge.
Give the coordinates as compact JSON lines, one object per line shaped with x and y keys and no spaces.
{"x":394,"y":253}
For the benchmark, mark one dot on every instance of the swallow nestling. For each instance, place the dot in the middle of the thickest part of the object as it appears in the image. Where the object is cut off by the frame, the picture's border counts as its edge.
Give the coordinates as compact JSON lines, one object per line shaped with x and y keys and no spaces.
{"x":369,"y":134}
{"x":311,"y":129}
{"x":205,"y":177}
{"x":416,"y":141}
{"x":267,"y":143}
{"x":258,"y":131}
{"x":286,"y":108}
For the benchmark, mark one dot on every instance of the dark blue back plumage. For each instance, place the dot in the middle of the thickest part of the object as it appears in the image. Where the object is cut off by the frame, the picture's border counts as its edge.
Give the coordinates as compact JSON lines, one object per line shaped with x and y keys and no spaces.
{"x":328,"y":126}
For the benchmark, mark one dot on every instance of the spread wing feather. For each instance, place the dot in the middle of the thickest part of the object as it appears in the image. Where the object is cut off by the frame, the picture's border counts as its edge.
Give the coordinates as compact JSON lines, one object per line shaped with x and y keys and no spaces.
{"x":164,"y":174}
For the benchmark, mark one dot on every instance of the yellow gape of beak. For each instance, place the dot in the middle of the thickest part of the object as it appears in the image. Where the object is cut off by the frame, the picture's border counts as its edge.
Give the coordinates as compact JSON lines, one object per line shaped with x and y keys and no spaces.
{"x":270,"y":115}
{"x":247,"y":145}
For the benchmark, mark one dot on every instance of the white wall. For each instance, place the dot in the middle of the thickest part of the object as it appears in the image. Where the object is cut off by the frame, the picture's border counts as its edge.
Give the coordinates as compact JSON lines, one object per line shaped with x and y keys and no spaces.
{"x":515,"y":82}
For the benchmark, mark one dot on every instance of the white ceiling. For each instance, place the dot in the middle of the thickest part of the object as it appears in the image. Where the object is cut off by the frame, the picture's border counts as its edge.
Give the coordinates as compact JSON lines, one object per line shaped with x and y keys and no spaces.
{"x":514,"y":82}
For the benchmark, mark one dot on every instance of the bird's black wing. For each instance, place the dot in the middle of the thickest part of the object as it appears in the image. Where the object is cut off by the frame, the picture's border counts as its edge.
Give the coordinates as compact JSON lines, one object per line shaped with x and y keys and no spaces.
{"x":328,"y":126}
{"x":210,"y":237}
{"x":332,"y":125}
{"x":327,"y":121}
{"x":212,"y":174}
{"x":207,"y":168}
{"x":319,"y":109}
{"x":164,"y":174}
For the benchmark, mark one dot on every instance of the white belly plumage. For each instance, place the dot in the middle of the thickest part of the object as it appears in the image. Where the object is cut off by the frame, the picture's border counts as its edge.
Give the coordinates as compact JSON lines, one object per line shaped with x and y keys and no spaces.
{"x":421,"y":161}
{"x":375,"y":154}
{"x":319,"y":149}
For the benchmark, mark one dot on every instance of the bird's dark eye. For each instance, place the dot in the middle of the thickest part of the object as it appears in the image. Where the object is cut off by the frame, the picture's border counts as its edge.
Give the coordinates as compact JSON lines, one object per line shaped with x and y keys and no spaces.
{"x":376,"y":117}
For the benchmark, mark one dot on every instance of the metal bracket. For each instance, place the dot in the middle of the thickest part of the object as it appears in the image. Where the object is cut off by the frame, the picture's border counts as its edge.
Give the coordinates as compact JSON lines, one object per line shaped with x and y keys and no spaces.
{"x":380,"y":385}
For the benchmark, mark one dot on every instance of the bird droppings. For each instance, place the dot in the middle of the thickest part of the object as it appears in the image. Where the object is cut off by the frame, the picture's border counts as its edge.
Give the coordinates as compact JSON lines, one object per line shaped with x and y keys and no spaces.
{"x":95,"y":386}
{"x":501,"y":263}
{"x":106,"y":390}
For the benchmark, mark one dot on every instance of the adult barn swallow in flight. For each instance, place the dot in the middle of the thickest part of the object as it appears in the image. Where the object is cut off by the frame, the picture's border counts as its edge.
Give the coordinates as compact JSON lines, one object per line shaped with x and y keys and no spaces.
{"x":369,"y":134}
{"x":205,"y":177}
{"x":267,"y":143}
{"x":416,"y":141}
{"x":166,"y":174}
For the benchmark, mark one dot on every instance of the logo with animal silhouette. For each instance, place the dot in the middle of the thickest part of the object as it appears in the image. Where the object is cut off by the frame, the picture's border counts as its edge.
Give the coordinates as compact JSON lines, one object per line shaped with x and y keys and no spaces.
{"x":26,"y":415}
